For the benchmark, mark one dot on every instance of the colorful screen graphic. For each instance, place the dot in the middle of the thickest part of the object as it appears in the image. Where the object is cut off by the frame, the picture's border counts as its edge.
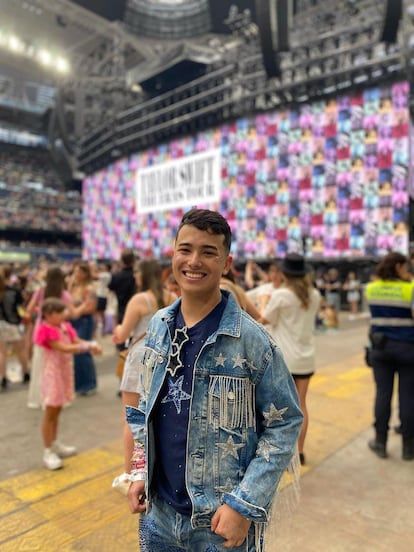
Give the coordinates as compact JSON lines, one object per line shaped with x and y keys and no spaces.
{"x":327,"y":179}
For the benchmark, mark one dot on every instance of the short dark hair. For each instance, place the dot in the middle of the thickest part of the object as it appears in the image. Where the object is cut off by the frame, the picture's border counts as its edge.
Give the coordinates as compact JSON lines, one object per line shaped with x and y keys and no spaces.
{"x":387,"y":269}
{"x":208,"y":221}
{"x":128,"y":257}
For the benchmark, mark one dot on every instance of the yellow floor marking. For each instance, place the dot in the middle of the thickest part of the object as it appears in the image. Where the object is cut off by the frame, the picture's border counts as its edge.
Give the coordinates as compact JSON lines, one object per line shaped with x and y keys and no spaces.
{"x":356,"y":373}
{"x":44,"y":538}
{"x":347,"y":390}
{"x":71,"y":499}
{"x":12,"y":524}
{"x":45,"y":483}
{"x":8,"y":502}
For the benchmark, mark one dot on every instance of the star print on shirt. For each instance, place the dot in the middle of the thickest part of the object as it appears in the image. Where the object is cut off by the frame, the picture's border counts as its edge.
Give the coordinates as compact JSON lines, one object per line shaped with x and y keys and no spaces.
{"x":180,"y":337}
{"x":238,"y":361}
{"x":220,"y":360}
{"x":274,"y":414}
{"x":176,"y":393}
{"x":230,"y":448}
{"x":265,"y":448}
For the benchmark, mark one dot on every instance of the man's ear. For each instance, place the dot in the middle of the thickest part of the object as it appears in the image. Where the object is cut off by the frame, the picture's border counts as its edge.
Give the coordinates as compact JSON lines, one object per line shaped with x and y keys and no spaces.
{"x":228,"y":264}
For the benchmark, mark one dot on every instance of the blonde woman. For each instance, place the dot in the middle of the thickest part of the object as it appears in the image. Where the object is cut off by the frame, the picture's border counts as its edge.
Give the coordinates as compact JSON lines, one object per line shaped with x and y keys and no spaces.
{"x":228,"y":282}
{"x":289,"y":317}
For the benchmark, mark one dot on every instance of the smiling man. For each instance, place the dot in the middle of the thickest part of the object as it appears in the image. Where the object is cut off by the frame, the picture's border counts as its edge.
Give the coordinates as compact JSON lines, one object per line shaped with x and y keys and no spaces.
{"x":219,"y":419}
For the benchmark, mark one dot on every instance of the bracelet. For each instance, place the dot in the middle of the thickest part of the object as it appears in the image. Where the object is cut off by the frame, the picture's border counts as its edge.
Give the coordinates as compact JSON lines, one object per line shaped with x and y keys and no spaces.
{"x":120,"y":479}
{"x":138,"y":460}
{"x":137,"y":476}
{"x":131,"y":477}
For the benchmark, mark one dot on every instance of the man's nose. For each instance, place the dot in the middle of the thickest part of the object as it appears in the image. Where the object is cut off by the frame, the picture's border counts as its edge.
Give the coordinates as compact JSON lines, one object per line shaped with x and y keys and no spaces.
{"x":195,"y":258}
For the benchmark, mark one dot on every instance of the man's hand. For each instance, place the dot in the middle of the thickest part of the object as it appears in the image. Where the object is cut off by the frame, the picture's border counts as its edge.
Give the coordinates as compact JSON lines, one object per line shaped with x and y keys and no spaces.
{"x":230,"y":525}
{"x":136,"y":497}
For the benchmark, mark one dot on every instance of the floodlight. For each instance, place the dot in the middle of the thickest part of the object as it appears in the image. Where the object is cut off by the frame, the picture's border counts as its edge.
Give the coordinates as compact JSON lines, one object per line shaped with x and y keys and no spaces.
{"x":62,"y":65}
{"x":45,"y":57}
{"x":15,"y":44}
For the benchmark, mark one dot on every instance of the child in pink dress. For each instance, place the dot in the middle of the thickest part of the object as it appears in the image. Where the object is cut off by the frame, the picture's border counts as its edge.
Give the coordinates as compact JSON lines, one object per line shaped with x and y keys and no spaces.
{"x":59,"y":341}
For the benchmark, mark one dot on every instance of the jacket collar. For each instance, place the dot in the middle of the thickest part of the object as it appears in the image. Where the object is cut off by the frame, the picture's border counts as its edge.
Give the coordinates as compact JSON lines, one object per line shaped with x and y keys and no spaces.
{"x":230,"y":323}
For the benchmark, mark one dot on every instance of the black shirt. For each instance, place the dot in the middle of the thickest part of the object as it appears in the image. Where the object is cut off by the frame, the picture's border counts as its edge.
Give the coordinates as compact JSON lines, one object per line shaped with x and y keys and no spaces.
{"x":123,"y":285}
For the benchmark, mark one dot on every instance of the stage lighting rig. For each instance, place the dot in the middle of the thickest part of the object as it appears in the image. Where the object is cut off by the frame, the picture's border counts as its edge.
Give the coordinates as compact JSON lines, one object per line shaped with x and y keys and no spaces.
{"x":333,"y":46}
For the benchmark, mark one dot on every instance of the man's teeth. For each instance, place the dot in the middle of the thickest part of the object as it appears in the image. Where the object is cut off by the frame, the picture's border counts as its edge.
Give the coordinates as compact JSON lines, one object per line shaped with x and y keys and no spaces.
{"x":195,"y":275}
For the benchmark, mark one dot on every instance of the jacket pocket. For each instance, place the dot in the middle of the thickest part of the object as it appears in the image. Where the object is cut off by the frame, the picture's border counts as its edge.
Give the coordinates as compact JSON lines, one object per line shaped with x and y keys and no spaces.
{"x":231,"y":402}
{"x":150,"y":360}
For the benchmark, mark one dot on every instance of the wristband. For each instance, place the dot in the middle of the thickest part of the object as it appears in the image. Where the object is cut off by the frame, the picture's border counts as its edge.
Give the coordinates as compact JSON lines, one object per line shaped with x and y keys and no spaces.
{"x":131,"y":477}
{"x":120,"y":479}
{"x":138,"y":457}
{"x":137,"y":476}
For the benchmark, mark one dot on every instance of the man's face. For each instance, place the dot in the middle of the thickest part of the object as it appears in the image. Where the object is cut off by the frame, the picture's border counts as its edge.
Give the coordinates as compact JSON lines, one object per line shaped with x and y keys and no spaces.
{"x":199,"y":261}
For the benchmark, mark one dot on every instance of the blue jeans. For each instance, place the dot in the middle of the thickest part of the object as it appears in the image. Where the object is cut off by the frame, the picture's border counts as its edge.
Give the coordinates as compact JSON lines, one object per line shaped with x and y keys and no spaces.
{"x":84,"y":365}
{"x":165,"y":530}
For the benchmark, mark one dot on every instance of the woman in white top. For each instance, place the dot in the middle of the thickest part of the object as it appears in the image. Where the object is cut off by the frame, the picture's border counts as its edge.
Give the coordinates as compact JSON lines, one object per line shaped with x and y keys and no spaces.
{"x":140,"y":309}
{"x":289,"y":317}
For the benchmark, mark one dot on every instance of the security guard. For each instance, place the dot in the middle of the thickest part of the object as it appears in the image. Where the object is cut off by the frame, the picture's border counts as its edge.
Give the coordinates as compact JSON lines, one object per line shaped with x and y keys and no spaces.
{"x":391,"y":302}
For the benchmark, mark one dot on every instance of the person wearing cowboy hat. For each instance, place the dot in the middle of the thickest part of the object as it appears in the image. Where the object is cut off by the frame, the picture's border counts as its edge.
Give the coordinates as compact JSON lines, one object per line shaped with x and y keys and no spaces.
{"x":289,"y":317}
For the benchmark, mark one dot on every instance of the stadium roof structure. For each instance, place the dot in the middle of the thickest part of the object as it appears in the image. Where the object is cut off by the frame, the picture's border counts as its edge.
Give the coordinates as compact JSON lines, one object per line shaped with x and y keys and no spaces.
{"x":159,"y":67}
{"x":97,"y":43}
{"x":101,"y":41}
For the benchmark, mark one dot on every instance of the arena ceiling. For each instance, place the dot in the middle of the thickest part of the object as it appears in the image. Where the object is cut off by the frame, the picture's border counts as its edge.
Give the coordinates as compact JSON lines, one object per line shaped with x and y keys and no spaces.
{"x":100,"y":40}
{"x":110,"y":44}
{"x":103,"y":41}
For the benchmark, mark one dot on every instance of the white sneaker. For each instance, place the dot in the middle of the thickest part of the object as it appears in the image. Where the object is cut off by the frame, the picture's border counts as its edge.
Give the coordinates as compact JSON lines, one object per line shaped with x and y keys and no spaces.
{"x":63,"y":451}
{"x":52,"y":460}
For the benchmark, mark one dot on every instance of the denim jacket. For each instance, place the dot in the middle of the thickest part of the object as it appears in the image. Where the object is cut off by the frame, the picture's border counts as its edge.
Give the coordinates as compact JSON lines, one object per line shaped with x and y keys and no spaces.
{"x":244,"y":415}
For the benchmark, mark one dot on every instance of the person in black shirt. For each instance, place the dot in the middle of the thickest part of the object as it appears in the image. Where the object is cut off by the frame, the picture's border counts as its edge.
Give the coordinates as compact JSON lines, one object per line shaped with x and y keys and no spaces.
{"x":123,"y":285}
{"x":123,"y":282}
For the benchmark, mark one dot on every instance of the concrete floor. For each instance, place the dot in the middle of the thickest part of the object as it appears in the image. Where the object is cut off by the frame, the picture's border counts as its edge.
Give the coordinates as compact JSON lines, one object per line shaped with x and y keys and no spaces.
{"x":350,"y":499}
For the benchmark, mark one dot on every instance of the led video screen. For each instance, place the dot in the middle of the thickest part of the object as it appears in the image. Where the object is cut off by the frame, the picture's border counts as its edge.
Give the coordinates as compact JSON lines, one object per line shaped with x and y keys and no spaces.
{"x":329,"y":179}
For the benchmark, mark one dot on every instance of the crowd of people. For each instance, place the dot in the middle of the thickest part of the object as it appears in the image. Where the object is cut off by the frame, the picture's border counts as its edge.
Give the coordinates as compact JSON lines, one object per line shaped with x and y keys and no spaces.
{"x":32,"y":194}
{"x":204,"y":346}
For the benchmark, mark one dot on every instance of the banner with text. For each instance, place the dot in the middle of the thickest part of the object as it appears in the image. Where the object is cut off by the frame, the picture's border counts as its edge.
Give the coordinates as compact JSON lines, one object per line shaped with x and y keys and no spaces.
{"x":188,"y":181}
